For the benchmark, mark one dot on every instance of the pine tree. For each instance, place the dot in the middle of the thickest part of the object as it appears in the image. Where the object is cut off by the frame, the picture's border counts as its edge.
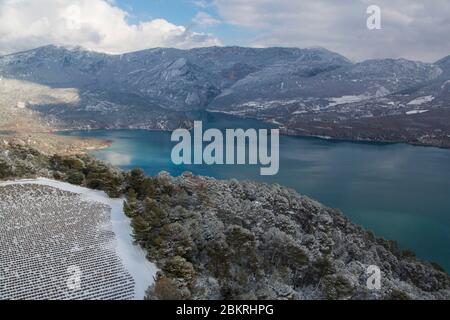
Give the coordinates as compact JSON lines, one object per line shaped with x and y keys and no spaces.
{"x":156,"y":216}
{"x":141,"y":230}
{"x":130,"y":205}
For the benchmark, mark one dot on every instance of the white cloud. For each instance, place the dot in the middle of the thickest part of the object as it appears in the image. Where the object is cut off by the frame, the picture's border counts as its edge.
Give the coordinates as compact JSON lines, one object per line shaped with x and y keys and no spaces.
{"x":205,"y":20}
{"x":413,"y":29}
{"x":202,"y":3}
{"x":94,"y":24}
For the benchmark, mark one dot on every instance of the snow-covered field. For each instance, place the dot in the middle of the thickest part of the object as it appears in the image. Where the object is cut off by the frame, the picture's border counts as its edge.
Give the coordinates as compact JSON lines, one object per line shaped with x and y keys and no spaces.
{"x":54,"y":235}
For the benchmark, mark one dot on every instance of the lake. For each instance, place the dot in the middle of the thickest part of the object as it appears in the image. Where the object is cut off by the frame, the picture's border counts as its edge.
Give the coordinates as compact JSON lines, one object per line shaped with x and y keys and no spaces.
{"x":399,"y":191}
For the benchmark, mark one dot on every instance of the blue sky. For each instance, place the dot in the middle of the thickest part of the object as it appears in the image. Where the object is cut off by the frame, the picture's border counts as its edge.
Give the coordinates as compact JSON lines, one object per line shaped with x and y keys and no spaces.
{"x":180,"y":12}
{"x":183,"y":12}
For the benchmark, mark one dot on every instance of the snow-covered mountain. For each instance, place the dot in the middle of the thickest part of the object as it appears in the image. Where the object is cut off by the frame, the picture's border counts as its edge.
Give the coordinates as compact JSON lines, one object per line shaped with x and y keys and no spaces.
{"x":192,"y":79}
{"x":175,"y":79}
{"x":148,"y":89}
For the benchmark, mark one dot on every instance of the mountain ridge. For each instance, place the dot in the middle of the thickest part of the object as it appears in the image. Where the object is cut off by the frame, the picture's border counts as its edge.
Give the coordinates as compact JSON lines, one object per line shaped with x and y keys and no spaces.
{"x":289,"y":86}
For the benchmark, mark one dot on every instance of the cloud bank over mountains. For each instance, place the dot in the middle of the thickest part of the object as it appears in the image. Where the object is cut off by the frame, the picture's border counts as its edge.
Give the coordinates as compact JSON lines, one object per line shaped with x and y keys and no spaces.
{"x":94,"y":24}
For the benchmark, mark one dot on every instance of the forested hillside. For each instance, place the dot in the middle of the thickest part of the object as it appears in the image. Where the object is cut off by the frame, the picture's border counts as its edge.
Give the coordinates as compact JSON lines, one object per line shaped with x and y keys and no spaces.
{"x":241,"y":240}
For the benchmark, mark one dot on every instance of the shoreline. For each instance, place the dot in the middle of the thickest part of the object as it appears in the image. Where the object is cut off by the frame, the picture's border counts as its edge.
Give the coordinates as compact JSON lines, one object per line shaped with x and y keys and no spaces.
{"x":49,"y":142}
{"x":285,"y":132}
{"x":282,"y":133}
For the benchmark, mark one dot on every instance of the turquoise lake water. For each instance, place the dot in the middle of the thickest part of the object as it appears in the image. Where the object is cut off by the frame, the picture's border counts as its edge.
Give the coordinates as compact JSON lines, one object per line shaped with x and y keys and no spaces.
{"x":399,"y":191}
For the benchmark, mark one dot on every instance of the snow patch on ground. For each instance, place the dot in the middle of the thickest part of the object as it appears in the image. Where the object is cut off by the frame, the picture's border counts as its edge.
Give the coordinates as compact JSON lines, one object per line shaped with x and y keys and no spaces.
{"x":346,"y":99}
{"x":445,"y":84}
{"x":133,"y":257}
{"x":416,"y":112}
{"x":21,"y":105}
{"x":300,"y":112}
{"x":421,"y":100}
